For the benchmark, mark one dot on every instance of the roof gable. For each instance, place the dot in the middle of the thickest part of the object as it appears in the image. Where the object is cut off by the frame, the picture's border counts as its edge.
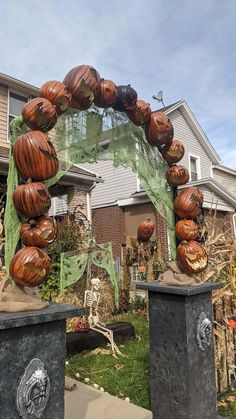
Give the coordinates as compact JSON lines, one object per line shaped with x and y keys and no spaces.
{"x":196,"y":128}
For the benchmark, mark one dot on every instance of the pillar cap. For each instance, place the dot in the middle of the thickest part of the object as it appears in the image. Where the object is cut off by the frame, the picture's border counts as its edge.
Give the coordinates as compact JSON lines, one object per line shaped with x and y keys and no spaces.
{"x":154,"y":286}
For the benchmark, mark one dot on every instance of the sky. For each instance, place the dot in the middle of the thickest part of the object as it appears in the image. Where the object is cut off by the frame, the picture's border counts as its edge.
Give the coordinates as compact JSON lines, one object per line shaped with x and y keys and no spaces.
{"x":184,"y":47}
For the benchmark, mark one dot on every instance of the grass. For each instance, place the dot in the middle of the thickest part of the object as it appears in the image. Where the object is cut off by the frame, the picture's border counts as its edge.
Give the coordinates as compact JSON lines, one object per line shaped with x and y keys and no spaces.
{"x":123,"y":376}
{"x":129,"y":376}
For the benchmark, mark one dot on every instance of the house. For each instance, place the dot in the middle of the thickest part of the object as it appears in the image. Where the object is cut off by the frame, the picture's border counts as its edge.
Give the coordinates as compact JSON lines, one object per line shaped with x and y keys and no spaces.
{"x":75,"y":187}
{"x":120,"y":203}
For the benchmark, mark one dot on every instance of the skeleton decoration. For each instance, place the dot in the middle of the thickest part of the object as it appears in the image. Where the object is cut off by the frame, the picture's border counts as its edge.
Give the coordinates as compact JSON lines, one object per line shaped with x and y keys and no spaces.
{"x":91,"y":302}
{"x":204,"y":331}
{"x":33,"y":391}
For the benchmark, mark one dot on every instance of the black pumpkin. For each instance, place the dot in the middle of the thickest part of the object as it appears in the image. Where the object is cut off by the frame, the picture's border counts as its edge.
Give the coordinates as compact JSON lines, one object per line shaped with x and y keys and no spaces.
{"x":126,"y":99}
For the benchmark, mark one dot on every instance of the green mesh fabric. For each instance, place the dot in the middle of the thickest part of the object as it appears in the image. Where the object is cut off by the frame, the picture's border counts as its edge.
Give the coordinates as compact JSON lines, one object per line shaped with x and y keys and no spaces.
{"x":103,"y":258}
{"x":90,"y":136}
{"x":73,"y":266}
{"x":12,"y":222}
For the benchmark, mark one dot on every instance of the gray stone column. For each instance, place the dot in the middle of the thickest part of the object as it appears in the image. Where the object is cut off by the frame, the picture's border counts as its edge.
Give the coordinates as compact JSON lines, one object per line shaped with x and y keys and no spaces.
{"x":182,"y":367}
{"x":32,"y":362}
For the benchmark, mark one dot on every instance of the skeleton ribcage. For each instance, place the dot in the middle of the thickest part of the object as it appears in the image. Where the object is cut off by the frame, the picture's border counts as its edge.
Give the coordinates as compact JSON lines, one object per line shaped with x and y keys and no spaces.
{"x":91,"y":300}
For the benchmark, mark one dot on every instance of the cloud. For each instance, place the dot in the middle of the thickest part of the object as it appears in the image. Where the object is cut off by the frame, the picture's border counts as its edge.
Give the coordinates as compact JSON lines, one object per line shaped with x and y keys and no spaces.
{"x":185,"y":49}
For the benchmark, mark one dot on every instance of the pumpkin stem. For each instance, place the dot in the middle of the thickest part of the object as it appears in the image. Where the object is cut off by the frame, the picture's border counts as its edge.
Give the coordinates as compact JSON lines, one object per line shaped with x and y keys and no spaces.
{"x":33,"y":223}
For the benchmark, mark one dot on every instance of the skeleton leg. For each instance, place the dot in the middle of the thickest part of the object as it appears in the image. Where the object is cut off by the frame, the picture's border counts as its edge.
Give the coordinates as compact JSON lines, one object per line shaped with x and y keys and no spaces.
{"x":109,"y":335}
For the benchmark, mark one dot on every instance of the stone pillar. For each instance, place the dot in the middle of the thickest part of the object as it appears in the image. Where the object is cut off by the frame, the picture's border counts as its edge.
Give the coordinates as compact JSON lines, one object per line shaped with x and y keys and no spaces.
{"x":182,"y":367}
{"x":32,"y":362}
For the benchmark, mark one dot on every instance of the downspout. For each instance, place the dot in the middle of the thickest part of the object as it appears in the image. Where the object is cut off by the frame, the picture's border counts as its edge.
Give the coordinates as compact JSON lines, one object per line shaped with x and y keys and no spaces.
{"x":88,"y":201}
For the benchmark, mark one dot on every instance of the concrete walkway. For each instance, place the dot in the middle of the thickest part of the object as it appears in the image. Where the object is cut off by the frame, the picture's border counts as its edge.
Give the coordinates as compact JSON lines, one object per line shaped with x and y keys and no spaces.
{"x":86,"y":402}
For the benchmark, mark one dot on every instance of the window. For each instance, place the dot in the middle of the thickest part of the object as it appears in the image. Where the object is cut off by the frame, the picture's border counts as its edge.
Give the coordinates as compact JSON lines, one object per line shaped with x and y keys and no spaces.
{"x":194,"y":166}
{"x":16,"y":103}
{"x":59,"y":205}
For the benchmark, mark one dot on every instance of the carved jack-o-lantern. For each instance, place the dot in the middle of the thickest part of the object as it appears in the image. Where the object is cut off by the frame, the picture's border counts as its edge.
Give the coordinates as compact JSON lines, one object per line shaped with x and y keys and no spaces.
{"x":188,"y":203}
{"x":173,"y":152}
{"x":39,"y":232}
{"x":159,"y":129}
{"x":186,"y":230}
{"x":177,"y":175}
{"x":32,"y":199}
{"x":83,"y":82}
{"x":106,"y":94}
{"x":192,"y":257}
{"x":145,"y":230}
{"x":34,"y":156}
{"x":58,"y":93}
{"x":39,"y":114}
{"x":126,"y":99}
{"x":30,"y":266}
{"x":141,"y":113}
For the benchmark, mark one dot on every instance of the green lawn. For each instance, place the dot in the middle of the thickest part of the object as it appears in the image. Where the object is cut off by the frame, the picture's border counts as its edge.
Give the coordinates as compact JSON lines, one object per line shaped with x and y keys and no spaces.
{"x":127,"y":376}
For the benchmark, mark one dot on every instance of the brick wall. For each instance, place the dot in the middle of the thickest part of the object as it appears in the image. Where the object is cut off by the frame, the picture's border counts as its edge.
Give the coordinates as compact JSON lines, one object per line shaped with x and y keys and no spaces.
{"x":161,"y":229}
{"x":77,"y":195}
{"x":109,"y":226}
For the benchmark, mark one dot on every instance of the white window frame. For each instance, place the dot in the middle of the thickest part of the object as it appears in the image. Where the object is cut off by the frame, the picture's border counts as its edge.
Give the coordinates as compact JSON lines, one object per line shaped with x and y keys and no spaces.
{"x":28,"y":97}
{"x":198,"y":163}
{"x":55,"y":204}
{"x":234,"y":224}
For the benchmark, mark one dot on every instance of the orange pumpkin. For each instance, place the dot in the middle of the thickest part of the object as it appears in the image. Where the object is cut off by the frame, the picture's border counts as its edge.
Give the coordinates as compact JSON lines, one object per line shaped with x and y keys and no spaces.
{"x":192,"y":257}
{"x":188,"y":203}
{"x":34,"y":156}
{"x":32,"y":199}
{"x":30,"y":266}
{"x":106,"y":94}
{"x":177,"y":175}
{"x":145,"y":230}
{"x":57,"y":93}
{"x":39,"y":232}
{"x":173,"y":152}
{"x":40,"y":114}
{"x":141,"y":113}
{"x":186,"y":230}
{"x":83,"y":82}
{"x":159,"y":129}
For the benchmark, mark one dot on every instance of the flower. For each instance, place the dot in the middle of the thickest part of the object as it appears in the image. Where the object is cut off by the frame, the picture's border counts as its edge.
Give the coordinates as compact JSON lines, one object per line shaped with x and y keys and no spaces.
{"x":86,"y":380}
{"x":127,"y":399}
{"x":102,"y":389}
{"x":77,"y":375}
{"x":95,"y":385}
{"x":66,"y":363}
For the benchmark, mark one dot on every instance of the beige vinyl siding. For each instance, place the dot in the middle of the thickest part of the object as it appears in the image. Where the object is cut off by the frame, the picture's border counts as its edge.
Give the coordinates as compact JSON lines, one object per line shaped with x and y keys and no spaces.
{"x":184,"y":133}
{"x":214,"y":201}
{"x":118,"y":183}
{"x":3,"y":116}
{"x":227,"y":180}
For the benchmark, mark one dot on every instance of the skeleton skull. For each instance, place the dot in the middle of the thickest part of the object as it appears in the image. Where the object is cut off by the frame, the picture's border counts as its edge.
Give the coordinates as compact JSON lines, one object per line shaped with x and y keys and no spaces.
{"x":95,"y":282}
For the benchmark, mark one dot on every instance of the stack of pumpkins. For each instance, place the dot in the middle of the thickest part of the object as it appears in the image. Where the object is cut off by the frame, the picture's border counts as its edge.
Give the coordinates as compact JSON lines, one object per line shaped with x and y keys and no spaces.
{"x":191,"y":255}
{"x":36,"y":161}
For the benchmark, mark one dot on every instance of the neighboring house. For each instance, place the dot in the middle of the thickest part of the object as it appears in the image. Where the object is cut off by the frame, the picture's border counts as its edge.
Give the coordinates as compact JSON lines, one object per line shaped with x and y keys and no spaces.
{"x":120,"y":203}
{"x":73,"y":188}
